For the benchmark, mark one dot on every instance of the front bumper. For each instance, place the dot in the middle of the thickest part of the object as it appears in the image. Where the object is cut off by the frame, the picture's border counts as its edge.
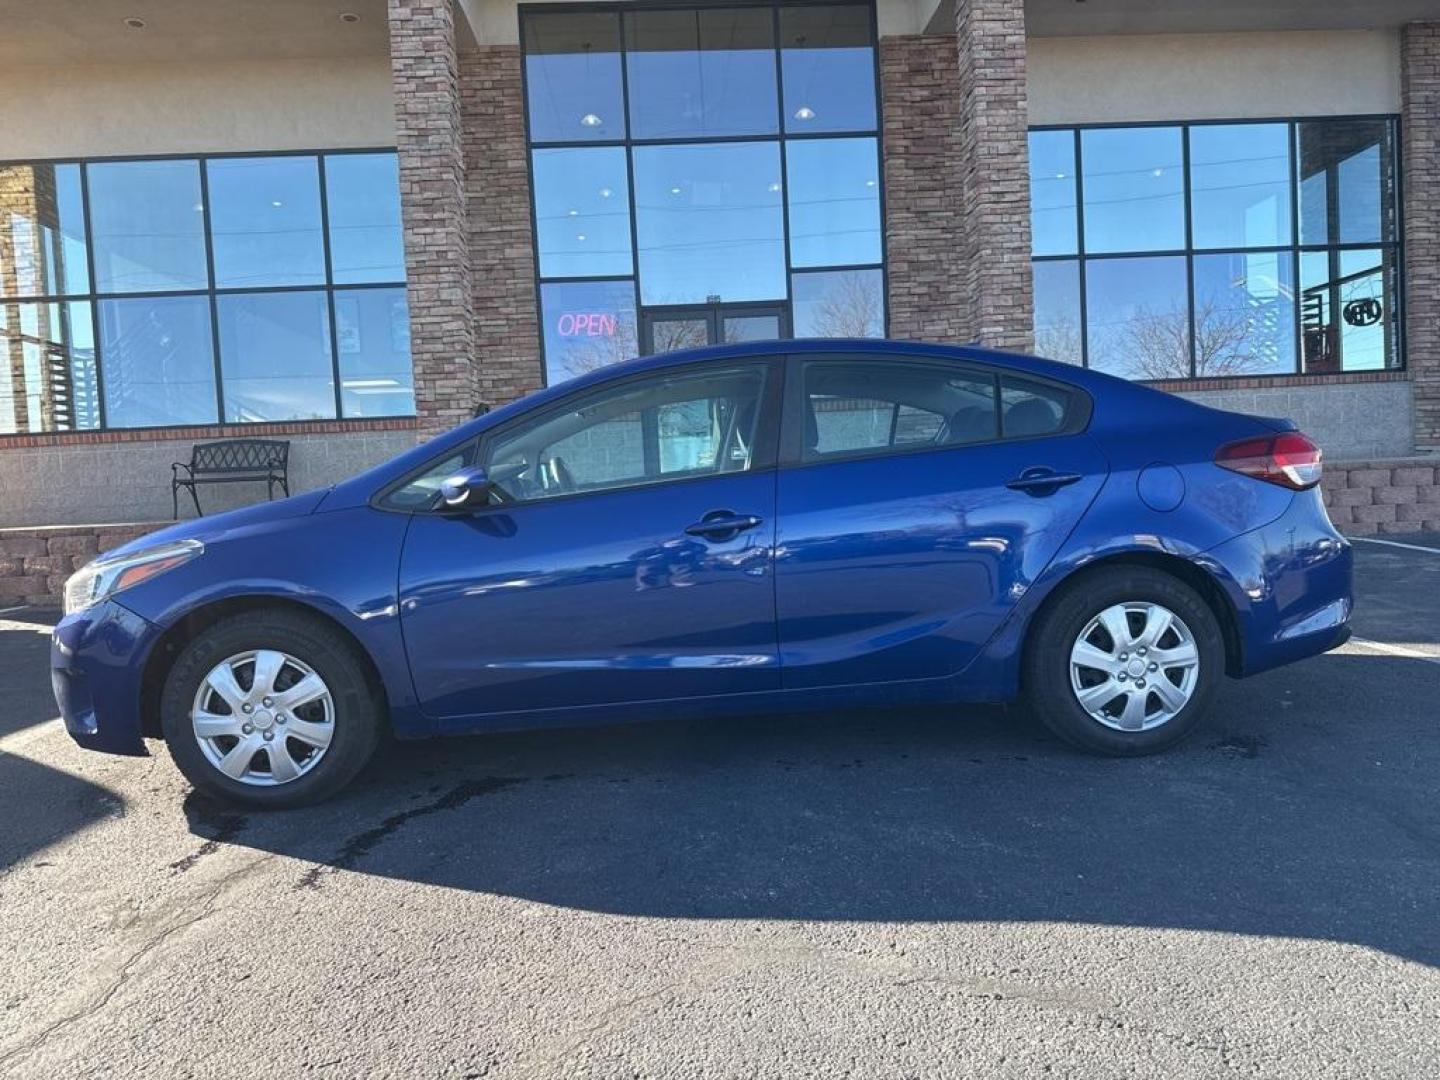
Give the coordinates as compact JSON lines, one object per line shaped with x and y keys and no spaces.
{"x":1291,"y":584}
{"x":97,"y":658}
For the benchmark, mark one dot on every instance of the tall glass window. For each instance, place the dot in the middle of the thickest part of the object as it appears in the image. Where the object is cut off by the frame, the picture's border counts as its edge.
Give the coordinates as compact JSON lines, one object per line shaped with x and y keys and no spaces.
{"x":195,"y":290}
{"x":1207,"y":250}
{"x":702,"y":174}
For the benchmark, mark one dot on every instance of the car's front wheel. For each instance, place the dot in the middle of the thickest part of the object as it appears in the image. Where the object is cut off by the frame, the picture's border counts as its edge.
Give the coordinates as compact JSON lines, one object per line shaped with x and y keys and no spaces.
{"x":270,"y":709}
{"x":1124,"y":662}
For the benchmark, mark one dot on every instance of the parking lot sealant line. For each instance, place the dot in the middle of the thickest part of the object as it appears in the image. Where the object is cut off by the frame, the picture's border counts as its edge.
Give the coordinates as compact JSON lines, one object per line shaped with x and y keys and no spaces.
{"x":1393,"y":543}
{"x":1394,"y":650}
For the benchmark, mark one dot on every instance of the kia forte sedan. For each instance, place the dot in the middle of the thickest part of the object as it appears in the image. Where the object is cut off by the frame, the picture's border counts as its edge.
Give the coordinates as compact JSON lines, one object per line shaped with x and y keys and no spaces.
{"x":772,"y":527}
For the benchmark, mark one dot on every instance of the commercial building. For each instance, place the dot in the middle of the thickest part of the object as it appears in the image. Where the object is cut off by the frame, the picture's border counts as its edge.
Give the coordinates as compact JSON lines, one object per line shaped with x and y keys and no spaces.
{"x":346,"y":224}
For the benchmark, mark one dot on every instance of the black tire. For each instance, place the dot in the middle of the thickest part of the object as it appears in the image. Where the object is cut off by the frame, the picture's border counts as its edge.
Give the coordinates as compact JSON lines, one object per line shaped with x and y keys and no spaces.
{"x":1045,"y":677}
{"x":359,"y":713}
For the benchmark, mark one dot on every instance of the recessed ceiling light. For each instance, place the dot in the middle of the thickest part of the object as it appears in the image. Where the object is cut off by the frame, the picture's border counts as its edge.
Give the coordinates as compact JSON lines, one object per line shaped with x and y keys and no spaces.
{"x":869,"y":183}
{"x":199,"y":208}
{"x":1157,"y":172}
{"x":580,"y":236}
{"x":1059,"y":176}
{"x":804,"y":112}
{"x":605,"y":193}
{"x":590,"y":120}
{"x":349,"y":16}
{"x":774,"y":185}
{"x":135,"y":24}
{"x":276,"y":203}
{"x":674,"y":191}
{"x":573,"y":212}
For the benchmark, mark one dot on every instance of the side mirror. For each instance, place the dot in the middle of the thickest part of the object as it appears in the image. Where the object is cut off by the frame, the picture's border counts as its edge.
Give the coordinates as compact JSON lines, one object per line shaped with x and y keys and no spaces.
{"x":467,"y":488}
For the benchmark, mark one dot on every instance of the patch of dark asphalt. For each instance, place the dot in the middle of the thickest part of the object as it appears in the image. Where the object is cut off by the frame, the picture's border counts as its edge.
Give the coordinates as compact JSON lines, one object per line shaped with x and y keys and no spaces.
{"x":360,"y":845}
{"x":1242,"y":746}
{"x":222,"y":825}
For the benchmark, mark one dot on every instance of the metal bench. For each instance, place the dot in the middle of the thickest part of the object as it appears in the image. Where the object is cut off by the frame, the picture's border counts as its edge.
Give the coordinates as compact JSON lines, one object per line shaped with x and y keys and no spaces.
{"x":231,"y":461}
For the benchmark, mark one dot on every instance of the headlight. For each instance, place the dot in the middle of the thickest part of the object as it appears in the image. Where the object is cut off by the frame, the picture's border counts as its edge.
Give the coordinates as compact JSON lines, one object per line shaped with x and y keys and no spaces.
{"x":106,"y":576}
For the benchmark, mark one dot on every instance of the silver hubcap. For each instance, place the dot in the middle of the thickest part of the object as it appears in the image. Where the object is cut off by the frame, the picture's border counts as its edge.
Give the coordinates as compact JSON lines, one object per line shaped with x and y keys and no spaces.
{"x":263,"y":717}
{"x":1134,"y":666}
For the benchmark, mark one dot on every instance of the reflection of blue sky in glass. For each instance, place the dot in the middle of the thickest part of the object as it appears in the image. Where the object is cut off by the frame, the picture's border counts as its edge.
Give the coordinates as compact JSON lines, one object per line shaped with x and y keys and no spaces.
{"x":834,"y":202}
{"x":838,"y":303}
{"x":372,"y":334}
{"x":1360,"y":197}
{"x":572,"y":75}
{"x":1134,"y":189}
{"x":362,"y":204}
{"x":1137,"y":317}
{"x":701,"y":72}
{"x":275,"y":356}
{"x":159,"y":361}
{"x":586,"y":326}
{"x":709,"y":222}
{"x":828,"y":69}
{"x":1240,"y":185}
{"x":582,"y":212}
{"x":1244,"y":314}
{"x":147,"y":226}
{"x":1052,"y":193}
{"x":265,"y":221}
{"x":1057,"y":310}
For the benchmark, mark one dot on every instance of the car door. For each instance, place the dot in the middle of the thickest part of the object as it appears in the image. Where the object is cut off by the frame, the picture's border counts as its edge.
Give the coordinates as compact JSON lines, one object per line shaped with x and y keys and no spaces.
{"x":626,"y":557}
{"x":917,"y":500}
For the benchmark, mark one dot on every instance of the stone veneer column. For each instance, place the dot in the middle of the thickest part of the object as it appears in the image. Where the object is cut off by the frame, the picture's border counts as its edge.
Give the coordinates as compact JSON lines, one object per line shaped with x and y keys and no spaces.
{"x":920,"y":99}
{"x":432,"y":202}
{"x":502,"y":256}
{"x":1420,"y":138}
{"x":993,"y":152}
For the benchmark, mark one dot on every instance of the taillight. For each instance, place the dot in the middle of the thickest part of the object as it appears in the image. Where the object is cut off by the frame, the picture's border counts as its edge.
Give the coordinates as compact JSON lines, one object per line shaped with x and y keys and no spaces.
{"x":1289,"y":459}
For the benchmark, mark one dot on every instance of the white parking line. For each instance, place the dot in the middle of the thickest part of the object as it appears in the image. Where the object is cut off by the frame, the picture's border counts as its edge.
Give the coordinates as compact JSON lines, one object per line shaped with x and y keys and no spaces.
{"x":1394,"y":650}
{"x":1392,"y":543}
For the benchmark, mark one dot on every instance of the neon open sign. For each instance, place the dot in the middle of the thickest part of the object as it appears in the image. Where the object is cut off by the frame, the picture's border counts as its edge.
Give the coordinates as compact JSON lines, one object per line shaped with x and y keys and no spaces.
{"x":585,"y":324}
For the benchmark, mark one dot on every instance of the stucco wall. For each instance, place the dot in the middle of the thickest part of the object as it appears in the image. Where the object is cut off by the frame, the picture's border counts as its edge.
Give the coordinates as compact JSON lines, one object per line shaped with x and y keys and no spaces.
{"x":94,"y":111}
{"x":1213,"y":76}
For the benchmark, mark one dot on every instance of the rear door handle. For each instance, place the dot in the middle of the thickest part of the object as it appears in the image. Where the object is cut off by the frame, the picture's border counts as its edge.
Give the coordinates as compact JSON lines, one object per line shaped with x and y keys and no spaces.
{"x":1041,"y":481}
{"x":722,"y":525}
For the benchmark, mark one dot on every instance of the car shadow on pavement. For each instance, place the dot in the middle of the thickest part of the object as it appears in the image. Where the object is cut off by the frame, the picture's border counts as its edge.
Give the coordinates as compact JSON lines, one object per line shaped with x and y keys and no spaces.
{"x":39,"y":805}
{"x":1304,"y":809}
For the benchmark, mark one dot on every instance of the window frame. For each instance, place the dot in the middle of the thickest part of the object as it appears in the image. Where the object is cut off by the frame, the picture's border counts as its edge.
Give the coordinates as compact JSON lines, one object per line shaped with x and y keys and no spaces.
{"x":627,"y":139}
{"x":475,"y":449}
{"x":1392,"y":250}
{"x":792,"y":423}
{"x":94,"y":297}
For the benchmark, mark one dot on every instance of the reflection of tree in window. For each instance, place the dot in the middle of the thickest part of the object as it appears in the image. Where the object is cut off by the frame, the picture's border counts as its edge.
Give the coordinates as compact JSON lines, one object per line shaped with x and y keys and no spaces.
{"x":850,"y":308}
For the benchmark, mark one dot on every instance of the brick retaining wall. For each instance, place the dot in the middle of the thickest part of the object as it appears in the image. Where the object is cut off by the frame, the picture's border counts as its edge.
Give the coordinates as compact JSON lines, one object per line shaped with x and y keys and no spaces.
{"x":34,"y":562}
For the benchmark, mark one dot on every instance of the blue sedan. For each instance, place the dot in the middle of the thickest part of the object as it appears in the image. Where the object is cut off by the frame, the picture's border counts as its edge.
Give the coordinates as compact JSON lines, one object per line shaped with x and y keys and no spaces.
{"x":781,"y":526}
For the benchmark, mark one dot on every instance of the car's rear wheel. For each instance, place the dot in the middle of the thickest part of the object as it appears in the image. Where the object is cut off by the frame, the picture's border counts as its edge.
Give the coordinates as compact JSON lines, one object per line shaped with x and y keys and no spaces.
{"x":270,"y":709}
{"x":1124,"y":661}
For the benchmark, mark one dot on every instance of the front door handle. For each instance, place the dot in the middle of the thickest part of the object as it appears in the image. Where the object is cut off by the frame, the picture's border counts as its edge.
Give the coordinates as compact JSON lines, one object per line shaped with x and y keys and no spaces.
{"x":1041,"y":481}
{"x":722,"y":525}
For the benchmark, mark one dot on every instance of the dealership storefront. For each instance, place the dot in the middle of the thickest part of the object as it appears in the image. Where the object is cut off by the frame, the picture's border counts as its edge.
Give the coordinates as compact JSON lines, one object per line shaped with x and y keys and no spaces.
{"x":347,"y":225}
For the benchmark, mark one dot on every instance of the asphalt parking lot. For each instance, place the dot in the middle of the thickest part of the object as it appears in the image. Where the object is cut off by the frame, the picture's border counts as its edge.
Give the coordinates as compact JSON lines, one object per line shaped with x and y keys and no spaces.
{"x":916,"y":894}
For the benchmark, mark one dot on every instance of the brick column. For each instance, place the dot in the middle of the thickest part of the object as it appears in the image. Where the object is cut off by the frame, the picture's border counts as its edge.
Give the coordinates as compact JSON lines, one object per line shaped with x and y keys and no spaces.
{"x":920,"y":99}
{"x":1420,"y":138}
{"x":432,"y":201}
{"x":502,"y":257}
{"x":994,"y":180}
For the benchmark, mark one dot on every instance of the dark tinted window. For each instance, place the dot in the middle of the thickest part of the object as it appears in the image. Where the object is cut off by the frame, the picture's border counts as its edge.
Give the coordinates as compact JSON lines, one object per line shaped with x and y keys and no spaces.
{"x":872,"y":405}
{"x":1029,"y":408}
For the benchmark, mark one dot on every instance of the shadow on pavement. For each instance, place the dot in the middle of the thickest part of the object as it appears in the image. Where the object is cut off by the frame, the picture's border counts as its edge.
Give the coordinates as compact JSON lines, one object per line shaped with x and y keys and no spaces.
{"x":1304,"y":809}
{"x":38,"y":805}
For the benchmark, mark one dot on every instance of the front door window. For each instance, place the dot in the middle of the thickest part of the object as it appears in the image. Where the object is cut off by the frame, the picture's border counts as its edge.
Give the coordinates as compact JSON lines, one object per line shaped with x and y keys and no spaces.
{"x":671,"y":329}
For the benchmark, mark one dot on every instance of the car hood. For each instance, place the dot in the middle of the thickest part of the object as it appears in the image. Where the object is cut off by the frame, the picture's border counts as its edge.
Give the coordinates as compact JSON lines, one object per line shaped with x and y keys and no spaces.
{"x":218,"y":525}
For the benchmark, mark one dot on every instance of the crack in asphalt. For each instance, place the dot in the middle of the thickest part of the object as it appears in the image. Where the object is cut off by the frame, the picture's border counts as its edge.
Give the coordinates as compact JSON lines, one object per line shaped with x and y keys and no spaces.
{"x":227,"y":827}
{"x":360,"y":845}
{"x":126,"y":970}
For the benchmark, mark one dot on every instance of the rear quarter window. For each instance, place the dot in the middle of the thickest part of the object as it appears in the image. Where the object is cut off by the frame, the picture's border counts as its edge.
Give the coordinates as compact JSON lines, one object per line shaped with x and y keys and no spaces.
{"x":1030,"y":409}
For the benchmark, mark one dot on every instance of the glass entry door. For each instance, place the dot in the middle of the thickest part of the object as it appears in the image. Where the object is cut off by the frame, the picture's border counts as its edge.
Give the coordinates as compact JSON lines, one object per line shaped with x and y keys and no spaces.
{"x":670,"y":329}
